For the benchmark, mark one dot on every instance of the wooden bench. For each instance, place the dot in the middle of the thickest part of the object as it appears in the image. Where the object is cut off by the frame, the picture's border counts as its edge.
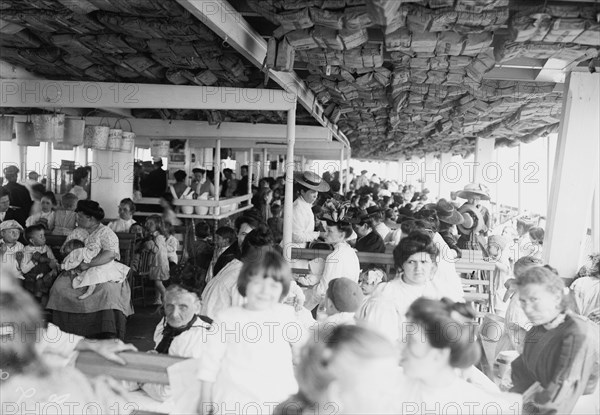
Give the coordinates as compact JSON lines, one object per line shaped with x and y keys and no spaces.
{"x":140,"y":367}
{"x":126,"y":246}
{"x":472,"y":263}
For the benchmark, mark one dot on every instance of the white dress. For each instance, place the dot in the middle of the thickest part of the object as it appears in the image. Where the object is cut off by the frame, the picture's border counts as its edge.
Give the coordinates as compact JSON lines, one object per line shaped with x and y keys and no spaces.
{"x":221,"y":291}
{"x":249,"y":358}
{"x":121,"y":225}
{"x":112,"y":271}
{"x":587,"y":295}
{"x":33,"y":219}
{"x":385,"y":311}
{"x":459,"y":397}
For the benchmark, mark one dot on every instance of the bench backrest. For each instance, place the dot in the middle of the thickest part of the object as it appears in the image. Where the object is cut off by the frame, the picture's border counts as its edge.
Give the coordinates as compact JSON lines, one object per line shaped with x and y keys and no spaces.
{"x":126,"y":246}
{"x":468,"y":263}
{"x":140,"y":367}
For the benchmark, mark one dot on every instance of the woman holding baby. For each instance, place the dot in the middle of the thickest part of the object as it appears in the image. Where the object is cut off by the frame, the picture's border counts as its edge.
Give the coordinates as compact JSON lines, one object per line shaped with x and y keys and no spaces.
{"x":91,"y":297}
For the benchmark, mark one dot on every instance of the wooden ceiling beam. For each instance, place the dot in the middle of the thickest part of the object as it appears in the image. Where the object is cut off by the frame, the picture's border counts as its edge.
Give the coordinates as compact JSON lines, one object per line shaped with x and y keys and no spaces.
{"x":231,"y":26}
{"x":27,"y":93}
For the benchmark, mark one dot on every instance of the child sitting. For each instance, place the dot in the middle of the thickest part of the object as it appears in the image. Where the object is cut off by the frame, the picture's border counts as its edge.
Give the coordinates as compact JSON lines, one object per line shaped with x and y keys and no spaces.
{"x":78,"y":253}
{"x":65,"y":217}
{"x":502,"y":272}
{"x":370,"y":279}
{"x":344,"y":297}
{"x":39,"y":266}
{"x":11,"y":250}
{"x":46,"y":216}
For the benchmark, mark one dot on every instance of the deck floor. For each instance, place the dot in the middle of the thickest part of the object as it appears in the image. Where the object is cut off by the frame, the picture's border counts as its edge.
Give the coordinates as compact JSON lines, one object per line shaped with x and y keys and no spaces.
{"x":140,"y":327}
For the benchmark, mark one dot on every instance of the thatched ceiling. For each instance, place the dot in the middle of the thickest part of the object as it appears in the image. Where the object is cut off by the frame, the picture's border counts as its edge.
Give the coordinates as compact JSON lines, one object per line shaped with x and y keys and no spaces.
{"x":398,"y":77}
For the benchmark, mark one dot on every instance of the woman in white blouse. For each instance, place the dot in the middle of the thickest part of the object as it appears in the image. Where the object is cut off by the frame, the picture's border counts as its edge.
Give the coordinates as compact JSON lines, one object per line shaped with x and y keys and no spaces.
{"x":417,"y":258}
{"x":303,"y":219}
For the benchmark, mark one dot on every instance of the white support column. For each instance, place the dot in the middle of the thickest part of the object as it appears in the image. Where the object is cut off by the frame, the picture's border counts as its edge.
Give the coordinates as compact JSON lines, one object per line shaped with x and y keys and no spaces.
{"x":303,"y":167}
{"x":250,"y":171}
{"x":48,"y":166}
{"x":341,"y":191}
{"x":347,"y":186}
{"x":265,"y":162}
{"x":109,"y":185}
{"x":429,"y":173}
{"x":596,"y":219}
{"x":448,"y":176}
{"x":520,"y":181}
{"x":484,"y":158}
{"x":217,"y":177}
{"x":575,"y":174}
{"x":289,"y":186}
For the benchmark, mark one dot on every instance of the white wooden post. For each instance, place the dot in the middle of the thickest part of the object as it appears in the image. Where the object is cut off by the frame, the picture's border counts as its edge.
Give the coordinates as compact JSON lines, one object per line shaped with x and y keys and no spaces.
{"x":347,"y":187}
{"x":519,"y":182}
{"x":217,"y":177}
{"x":341,"y":177}
{"x":265,"y":163}
{"x":447,"y":176}
{"x":575,"y":174}
{"x":250,"y":170}
{"x":289,"y":185}
{"x":48,"y":166}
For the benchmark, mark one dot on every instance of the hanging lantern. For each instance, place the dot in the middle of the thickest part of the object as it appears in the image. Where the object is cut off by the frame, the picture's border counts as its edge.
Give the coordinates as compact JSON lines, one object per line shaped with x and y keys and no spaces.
{"x":159,"y":148}
{"x":49,"y":127}
{"x":6,"y":128}
{"x":25,"y":134}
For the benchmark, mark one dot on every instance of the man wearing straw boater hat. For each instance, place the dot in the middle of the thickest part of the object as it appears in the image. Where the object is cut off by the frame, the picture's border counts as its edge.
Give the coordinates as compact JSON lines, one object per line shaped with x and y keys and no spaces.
{"x":309,"y":185}
{"x":473,"y":237}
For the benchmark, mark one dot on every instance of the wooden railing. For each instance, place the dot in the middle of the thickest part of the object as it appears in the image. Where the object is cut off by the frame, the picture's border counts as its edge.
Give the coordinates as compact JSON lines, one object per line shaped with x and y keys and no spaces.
{"x":217,"y":209}
{"x":140,"y":367}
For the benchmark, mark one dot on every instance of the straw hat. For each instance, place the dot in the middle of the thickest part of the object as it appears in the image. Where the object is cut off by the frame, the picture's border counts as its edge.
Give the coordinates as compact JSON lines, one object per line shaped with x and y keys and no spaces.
{"x":476,"y":223}
{"x":311,"y":181}
{"x":474,"y":189}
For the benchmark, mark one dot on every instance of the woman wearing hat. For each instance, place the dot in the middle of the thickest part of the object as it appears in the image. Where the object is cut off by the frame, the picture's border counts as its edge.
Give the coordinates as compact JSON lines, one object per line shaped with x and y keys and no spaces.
{"x":449,"y":219}
{"x":104,"y":313}
{"x":474,"y":193}
{"x":309,"y":185}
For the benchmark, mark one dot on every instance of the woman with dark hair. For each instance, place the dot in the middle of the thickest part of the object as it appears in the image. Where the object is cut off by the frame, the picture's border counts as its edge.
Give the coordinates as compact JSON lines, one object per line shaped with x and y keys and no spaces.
{"x":560,"y":362}
{"x":80,"y":180}
{"x":440,"y":338}
{"x":369,"y":240}
{"x":180,"y":190}
{"x":342,"y":262}
{"x":262,"y":203}
{"x":416,"y":256}
{"x":104,"y":313}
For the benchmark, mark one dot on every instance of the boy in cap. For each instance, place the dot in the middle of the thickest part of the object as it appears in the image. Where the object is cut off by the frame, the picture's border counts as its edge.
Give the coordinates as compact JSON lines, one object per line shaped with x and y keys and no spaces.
{"x":344,"y":297}
{"x":11,"y":250}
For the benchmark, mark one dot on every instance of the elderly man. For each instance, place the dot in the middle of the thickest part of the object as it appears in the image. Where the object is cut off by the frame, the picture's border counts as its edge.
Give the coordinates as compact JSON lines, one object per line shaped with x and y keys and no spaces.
{"x":19,"y":195}
{"x":180,"y":333}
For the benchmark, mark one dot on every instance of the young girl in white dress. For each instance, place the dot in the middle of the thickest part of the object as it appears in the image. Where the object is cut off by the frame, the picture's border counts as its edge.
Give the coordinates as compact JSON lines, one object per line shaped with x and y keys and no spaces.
{"x":247,"y":361}
{"x":77,"y":252}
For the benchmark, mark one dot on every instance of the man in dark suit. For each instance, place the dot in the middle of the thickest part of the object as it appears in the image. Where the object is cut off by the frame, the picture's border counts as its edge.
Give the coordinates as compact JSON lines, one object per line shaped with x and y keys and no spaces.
{"x":155,"y":183}
{"x":242,"y":187}
{"x":18,"y":195}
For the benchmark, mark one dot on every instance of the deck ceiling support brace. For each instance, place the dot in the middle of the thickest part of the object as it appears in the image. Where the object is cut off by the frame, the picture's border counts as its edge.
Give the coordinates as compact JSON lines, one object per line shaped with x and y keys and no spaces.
{"x":289,"y":186}
{"x":230,"y":25}
{"x":25,"y":93}
{"x":575,"y":175}
{"x":10,"y":71}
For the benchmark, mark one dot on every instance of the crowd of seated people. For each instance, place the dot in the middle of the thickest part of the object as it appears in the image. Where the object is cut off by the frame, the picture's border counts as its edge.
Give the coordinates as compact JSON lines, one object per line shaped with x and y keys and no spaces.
{"x":257,"y":335}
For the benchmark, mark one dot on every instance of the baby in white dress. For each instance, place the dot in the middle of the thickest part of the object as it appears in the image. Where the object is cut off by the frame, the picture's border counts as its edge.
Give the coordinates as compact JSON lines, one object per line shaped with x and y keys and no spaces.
{"x":78,"y":253}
